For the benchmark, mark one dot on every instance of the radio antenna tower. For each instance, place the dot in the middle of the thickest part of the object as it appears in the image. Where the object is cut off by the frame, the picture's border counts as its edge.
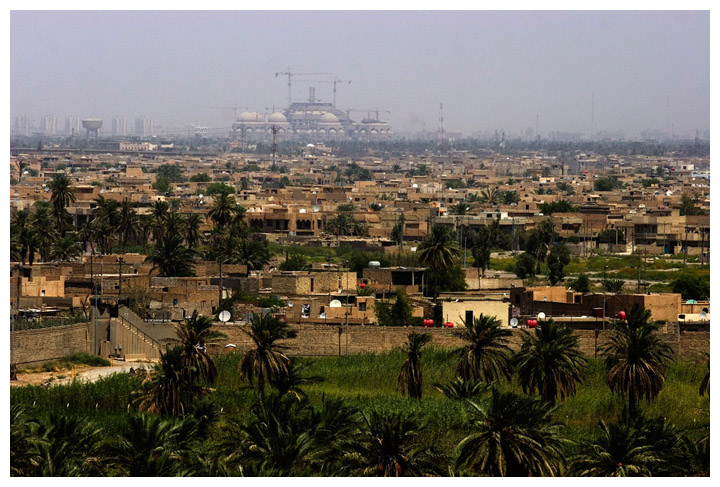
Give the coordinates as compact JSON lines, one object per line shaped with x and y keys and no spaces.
{"x":441,"y":127}
{"x":592,"y":117}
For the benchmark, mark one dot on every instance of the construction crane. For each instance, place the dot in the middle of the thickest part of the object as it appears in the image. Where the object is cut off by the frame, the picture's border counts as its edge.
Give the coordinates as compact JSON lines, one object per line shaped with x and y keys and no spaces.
{"x":235,"y":108}
{"x":334,"y":82}
{"x":369,"y":112}
{"x":290,"y":74}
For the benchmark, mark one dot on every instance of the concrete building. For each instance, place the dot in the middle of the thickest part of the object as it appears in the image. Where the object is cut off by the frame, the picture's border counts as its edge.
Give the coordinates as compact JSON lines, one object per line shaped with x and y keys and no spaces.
{"x":21,"y":125}
{"x":48,"y":125}
{"x":310,"y":121}
{"x":144,"y":126}
{"x":119,"y":126}
{"x":72,"y":126}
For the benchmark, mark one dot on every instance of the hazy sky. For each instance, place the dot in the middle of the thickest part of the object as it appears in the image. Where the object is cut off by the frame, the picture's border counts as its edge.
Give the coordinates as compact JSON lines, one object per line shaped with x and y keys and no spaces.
{"x":491,"y":70}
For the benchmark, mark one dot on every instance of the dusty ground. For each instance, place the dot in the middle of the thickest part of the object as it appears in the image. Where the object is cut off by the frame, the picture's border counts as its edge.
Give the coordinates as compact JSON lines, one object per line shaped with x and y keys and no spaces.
{"x":83,"y":372}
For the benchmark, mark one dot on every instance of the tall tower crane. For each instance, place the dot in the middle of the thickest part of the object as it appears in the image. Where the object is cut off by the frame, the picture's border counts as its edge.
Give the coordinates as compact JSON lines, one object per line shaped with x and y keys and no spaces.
{"x":290,"y":74}
{"x":334,"y":82}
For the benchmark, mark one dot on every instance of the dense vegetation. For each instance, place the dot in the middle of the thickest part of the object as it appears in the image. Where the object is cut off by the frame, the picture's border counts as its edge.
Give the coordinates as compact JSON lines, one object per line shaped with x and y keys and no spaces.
{"x":348,"y":415}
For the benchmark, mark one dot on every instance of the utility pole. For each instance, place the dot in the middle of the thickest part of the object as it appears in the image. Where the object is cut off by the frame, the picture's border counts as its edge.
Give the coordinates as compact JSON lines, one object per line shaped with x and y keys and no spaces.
{"x":347,"y":308}
{"x":13,"y":366}
{"x":120,"y":261}
{"x":604,"y":293}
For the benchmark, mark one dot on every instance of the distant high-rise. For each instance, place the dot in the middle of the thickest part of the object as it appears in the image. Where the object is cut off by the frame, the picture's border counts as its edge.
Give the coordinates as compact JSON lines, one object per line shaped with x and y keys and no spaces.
{"x":72,"y":126}
{"x":48,"y":125}
{"x":143,"y":126}
{"x":119,"y":126}
{"x":21,"y":125}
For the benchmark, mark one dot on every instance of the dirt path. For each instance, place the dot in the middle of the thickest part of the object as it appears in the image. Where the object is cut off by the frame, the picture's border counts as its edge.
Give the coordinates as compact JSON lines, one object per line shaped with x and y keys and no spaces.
{"x":83,"y":372}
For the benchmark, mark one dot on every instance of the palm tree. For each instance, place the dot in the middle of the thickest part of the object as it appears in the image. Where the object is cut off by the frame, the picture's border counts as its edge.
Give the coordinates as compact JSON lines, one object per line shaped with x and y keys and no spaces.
{"x":24,"y":442}
{"x":460,"y":388}
{"x":193,"y":237}
{"x":705,"y":384}
{"x":438,"y":251}
{"x":174,"y":224}
{"x":128,"y":222}
{"x":510,"y":196}
{"x":460,"y":208}
{"x":62,"y":195}
{"x":288,"y":383}
{"x":513,"y":436}
{"x":169,"y":389}
{"x":251,"y":253}
{"x":490,"y":195}
{"x":22,"y":229}
{"x":173,"y":258}
{"x":193,"y":334}
{"x":44,"y":229}
{"x":65,"y":248}
{"x":486,"y":356}
{"x":159,"y":214}
{"x":636,"y":358}
{"x":550,"y":362}
{"x":106,"y":210}
{"x":103,"y":234}
{"x":223,"y":209}
{"x":388,"y":447}
{"x":267,"y":360}
{"x":151,"y":446}
{"x":410,"y":378}
{"x":70,"y":446}
{"x":618,"y":452}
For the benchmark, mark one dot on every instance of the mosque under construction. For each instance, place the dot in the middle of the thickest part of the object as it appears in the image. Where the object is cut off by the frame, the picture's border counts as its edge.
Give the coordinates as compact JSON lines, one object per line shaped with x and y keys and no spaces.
{"x":310,"y":121}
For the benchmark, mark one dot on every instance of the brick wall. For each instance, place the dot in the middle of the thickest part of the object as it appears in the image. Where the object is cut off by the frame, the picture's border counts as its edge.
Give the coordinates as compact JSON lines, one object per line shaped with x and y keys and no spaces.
{"x":51,"y":343}
{"x":321,"y":340}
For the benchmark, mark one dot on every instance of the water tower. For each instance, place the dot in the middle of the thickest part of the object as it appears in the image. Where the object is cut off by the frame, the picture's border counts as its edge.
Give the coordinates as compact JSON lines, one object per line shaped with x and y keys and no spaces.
{"x":92,"y":125}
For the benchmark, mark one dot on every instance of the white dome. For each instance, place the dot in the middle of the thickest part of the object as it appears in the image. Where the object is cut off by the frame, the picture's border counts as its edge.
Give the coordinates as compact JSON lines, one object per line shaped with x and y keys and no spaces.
{"x":250,"y":117}
{"x":329,"y":118}
{"x":277,"y":117}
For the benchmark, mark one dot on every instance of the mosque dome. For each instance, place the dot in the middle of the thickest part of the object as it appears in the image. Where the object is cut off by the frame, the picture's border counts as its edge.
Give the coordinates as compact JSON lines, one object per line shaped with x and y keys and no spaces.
{"x":250,"y":117}
{"x":328,"y":118}
{"x":277,"y":117}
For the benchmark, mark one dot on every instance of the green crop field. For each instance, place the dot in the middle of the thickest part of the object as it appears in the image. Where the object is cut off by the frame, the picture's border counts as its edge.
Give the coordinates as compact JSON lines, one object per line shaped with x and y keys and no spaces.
{"x":369,"y":383}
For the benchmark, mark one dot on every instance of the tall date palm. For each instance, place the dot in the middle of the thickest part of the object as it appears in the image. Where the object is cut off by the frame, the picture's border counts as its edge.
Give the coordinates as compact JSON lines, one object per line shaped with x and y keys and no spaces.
{"x":487,"y":354}
{"x":636,"y":359}
{"x":410,"y":377}
{"x":267,"y":360}
{"x":512,"y":436}
{"x":550,"y":362}
{"x":438,"y":251}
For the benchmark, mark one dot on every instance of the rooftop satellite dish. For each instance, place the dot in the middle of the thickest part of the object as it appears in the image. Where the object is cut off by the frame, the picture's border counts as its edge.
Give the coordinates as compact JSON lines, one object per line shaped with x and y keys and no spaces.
{"x":224,"y":316}
{"x":302,"y":210}
{"x":514,"y":322}
{"x":541,"y":315}
{"x":200,"y":195}
{"x":335,"y":304}
{"x":316,"y":208}
{"x":230,"y":345}
{"x":703,"y":315}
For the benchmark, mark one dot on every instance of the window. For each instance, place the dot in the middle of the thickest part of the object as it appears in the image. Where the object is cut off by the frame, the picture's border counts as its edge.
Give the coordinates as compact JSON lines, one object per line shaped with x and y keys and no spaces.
{"x":362,"y":306}
{"x":312,"y":284}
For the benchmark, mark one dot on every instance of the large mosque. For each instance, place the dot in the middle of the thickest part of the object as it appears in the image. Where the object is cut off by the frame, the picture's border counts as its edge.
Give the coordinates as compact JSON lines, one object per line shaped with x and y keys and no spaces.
{"x":310,"y":121}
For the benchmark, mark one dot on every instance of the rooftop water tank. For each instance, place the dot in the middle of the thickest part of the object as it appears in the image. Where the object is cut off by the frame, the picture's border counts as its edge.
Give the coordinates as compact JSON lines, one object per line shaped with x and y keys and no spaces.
{"x":373,"y":264}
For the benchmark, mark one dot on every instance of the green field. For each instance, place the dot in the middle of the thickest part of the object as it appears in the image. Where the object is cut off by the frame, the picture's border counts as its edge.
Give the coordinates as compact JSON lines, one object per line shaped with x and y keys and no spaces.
{"x":368,"y":382}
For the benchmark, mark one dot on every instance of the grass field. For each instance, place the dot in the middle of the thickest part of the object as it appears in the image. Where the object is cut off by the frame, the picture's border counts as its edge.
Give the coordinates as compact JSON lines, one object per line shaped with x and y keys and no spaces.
{"x":369,"y":381}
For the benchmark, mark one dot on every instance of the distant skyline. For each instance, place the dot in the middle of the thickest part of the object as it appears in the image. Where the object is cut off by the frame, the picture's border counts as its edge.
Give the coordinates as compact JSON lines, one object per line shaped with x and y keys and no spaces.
{"x":517,"y":71}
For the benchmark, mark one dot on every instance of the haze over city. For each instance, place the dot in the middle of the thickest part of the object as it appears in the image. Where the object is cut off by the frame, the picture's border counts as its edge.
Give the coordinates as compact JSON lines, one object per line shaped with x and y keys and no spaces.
{"x":517,"y":71}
